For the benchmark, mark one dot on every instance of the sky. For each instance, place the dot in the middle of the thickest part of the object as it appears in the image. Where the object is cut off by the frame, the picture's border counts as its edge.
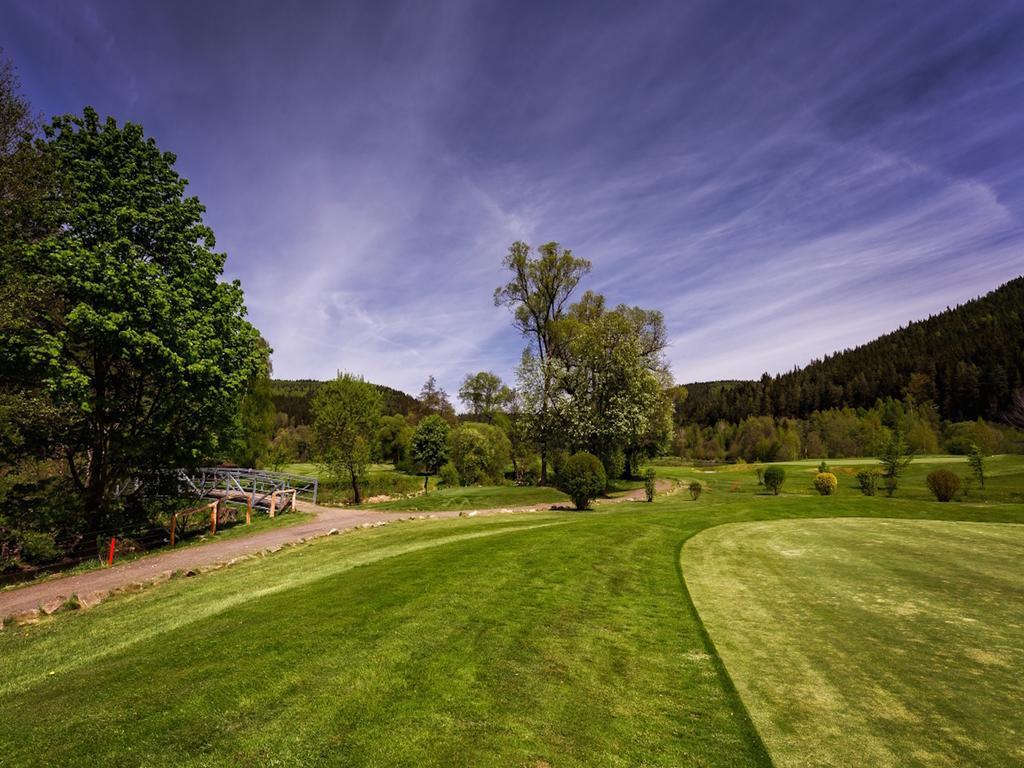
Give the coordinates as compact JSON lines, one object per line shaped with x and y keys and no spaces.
{"x":780,"y":180}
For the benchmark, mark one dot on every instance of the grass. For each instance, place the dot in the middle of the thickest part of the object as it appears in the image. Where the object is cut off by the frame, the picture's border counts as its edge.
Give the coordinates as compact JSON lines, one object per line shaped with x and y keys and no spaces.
{"x":566,"y":639}
{"x":476,"y":497}
{"x":850,"y":645}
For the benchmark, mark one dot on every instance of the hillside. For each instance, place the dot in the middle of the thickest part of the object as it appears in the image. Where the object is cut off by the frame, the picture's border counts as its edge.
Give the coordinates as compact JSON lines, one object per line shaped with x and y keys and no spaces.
{"x":293,"y":397}
{"x":968,"y":360}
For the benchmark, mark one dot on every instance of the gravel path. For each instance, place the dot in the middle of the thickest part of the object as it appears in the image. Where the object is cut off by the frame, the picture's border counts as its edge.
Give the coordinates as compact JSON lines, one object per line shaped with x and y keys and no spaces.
{"x":92,"y":586}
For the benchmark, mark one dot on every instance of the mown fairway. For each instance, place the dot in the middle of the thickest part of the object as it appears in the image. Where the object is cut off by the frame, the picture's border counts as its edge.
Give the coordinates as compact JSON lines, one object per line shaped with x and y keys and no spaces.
{"x":545,"y":638}
{"x":871,"y":642}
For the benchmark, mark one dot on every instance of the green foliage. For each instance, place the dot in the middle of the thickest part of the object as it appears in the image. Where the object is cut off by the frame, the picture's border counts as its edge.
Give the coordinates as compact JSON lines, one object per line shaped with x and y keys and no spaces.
{"x":256,"y":421}
{"x":894,"y":458}
{"x":394,"y":439}
{"x":976,"y":461}
{"x":823,"y":466}
{"x":613,"y":382}
{"x":140,"y":350}
{"x":449,"y":476}
{"x":943,"y":483}
{"x":483,"y":394}
{"x":346,"y":415}
{"x":480,"y":453}
{"x":695,"y":489}
{"x":431,"y":444}
{"x":759,"y":471}
{"x":582,"y":478}
{"x":965,"y":361}
{"x":293,"y":399}
{"x":434,"y":400}
{"x":867,"y":480}
{"x":826,"y":483}
{"x":774,"y":477}
{"x":537,"y":294}
{"x":650,"y":483}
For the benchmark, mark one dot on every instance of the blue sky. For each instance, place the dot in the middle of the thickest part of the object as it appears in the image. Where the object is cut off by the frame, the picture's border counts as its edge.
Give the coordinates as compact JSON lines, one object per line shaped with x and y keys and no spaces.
{"x":781,"y":180}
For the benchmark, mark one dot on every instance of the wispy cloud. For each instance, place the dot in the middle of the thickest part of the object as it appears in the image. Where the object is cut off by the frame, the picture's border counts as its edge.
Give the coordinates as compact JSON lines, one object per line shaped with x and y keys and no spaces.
{"x":781,"y":182}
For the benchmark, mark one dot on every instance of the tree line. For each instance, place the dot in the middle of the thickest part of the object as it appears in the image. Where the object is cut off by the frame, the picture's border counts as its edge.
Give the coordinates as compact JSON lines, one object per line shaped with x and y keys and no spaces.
{"x":967,"y":361}
{"x":592,"y":378}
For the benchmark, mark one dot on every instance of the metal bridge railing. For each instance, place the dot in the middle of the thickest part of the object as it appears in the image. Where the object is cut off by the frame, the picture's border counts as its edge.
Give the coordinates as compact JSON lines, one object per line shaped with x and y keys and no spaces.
{"x":257,"y":482}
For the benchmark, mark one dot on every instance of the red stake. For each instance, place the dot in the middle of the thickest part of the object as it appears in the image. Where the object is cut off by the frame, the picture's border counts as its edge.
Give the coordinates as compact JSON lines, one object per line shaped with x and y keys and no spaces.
{"x":110,"y":557}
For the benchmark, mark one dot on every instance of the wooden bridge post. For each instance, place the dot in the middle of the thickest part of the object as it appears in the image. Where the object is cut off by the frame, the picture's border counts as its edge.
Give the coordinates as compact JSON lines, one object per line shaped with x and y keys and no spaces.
{"x":273,"y":501}
{"x":174,"y":525}
{"x":213,"y":518}
{"x":294,"y":493}
{"x":248,"y":509}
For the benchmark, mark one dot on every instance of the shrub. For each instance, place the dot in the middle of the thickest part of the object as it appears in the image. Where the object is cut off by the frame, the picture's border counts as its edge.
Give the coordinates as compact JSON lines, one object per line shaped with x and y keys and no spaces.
{"x":823,"y":467}
{"x":582,"y":477}
{"x":826,"y":483}
{"x":868,"y":482}
{"x":760,"y":476}
{"x":976,"y":461}
{"x":774,"y":477}
{"x":944,"y":484}
{"x":449,"y":475}
{"x":695,"y":489}
{"x":649,"y":484}
{"x":480,"y":453}
{"x":531,"y":473}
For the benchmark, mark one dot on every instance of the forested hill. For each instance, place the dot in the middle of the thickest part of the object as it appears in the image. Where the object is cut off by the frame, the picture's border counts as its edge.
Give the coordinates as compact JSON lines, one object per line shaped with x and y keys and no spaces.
{"x":294,"y":396}
{"x":967,"y":360}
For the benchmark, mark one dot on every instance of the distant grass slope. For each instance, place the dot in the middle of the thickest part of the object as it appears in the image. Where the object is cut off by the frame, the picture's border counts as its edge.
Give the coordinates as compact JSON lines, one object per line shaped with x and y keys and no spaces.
{"x":476,"y":497}
{"x":870,"y":642}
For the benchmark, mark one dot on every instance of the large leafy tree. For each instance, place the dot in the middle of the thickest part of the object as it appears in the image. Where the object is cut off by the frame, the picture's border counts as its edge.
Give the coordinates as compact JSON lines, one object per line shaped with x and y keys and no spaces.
{"x":614,"y":380}
{"x":346,"y":417}
{"x":140,"y":347}
{"x":538,"y":293}
{"x":483,"y":393}
{"x":431,"y":445}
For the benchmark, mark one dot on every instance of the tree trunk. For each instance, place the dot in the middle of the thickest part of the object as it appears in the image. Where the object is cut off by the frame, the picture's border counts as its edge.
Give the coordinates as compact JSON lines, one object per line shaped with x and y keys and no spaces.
{"x":355,"y":490}
{"x":543,"y":464}
{"x":426,"y":479}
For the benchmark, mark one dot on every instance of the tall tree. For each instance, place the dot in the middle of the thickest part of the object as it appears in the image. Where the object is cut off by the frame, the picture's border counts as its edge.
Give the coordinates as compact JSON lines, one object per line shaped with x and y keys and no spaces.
{"x":433,"y":399}
{"x":483,"y":393}
{"x":145,"y":351}
{"x":615,"y":380}
{"x":538,"y":294}
{"x":431,"y":445}
{"x":346,"y":416}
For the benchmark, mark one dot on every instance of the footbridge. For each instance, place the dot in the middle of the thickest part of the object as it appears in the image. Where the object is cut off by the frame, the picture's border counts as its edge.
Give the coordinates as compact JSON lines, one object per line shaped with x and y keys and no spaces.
{"x":253,"y":487}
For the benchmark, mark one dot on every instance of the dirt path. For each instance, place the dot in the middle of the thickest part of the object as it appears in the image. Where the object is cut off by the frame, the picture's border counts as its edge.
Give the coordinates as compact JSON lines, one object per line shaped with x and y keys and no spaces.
{"x":92,"y":586}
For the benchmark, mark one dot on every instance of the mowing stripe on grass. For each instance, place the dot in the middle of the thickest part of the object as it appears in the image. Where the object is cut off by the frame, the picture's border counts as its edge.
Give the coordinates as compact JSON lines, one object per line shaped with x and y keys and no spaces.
{"x":72,"y":655}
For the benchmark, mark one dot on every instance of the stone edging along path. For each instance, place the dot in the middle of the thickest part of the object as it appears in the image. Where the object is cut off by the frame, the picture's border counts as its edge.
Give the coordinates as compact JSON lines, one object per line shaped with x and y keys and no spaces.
{"x":26,"y":604}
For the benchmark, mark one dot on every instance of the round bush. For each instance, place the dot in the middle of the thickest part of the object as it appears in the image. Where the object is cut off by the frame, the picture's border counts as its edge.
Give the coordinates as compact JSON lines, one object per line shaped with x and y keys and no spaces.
{"x":449,"y":475}
{"x":695,"y":490}
{"x":944,"y":484}
{"x":868,"y":481}
{"x":582,"y":477}
{"x":826,"y":483}
{"x":774,"y":477}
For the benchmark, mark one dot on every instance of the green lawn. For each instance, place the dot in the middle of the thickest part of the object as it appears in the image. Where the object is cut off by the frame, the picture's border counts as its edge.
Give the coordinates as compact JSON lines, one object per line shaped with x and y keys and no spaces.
{"x":562,"y":639}
{"x":870,"y":642}
{"x":476,"y":497}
